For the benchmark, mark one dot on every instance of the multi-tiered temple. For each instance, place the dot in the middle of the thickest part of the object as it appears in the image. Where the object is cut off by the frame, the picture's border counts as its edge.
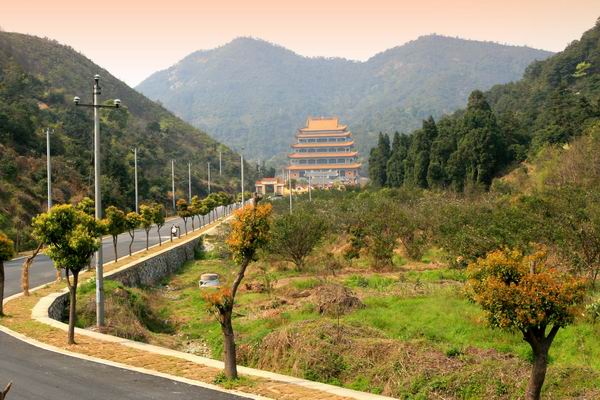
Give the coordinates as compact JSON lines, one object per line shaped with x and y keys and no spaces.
{"x":324,"y":151}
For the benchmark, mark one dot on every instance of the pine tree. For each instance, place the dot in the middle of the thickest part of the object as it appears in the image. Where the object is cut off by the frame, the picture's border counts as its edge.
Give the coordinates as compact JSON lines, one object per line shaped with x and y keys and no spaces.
{"x":378,"y":159}
{"x":395,"y":165}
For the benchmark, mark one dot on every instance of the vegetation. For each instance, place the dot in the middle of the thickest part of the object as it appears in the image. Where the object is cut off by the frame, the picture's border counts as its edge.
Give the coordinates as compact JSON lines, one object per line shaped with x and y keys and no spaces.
{"x":38,"y":79}
{"x":115,"y":224}
{"x":294,"y":236}
{"x":556,"y":101}
{"x":526,"y":294}
{"x":249,"y":232}
{"x":133,"y":221}
{"x":7,"y":251}
{"x":394,"y":89}
{"x":72,"y":237}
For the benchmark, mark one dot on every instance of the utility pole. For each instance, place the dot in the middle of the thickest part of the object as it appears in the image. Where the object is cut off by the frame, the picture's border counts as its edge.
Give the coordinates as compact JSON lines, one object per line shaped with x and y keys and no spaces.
{"x":189,"y":182}
{"x":135,"y":179}
{"x":208,"y":163}
{"x":290,"y":186}
{"x":220,"y":162}
{"x":49,"y":168}
{"x":173,"y":184}
{"x":97,"y":194}
{"x":242,"y":177}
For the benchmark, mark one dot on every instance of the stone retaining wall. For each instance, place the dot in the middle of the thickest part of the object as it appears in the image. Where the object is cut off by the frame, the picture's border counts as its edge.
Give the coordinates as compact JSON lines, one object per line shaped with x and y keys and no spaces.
{"x":146,"y":272}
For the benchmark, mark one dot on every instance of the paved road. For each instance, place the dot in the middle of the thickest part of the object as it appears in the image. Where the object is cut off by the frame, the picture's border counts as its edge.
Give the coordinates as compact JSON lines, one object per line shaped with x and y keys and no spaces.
{"x":41,"y":374}
{"x":43,"y":271}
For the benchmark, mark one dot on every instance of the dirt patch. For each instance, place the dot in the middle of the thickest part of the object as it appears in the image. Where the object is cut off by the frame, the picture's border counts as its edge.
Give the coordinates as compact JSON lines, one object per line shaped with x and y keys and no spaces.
{"x":333,"y":299}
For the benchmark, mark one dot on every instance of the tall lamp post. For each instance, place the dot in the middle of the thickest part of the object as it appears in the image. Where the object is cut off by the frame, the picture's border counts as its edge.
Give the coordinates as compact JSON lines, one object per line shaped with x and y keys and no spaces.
{"x":208,"y":164}
{"x":97,"y":194}
{"x":242,"y":173}
{"x":135,"y":179}
{"x":173,"y":185}
{"x":49,"y":167}
{"x":189,"y":182}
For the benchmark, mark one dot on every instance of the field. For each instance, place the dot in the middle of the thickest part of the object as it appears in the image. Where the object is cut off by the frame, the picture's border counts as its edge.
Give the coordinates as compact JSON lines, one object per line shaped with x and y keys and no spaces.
{"x":407,"y":333}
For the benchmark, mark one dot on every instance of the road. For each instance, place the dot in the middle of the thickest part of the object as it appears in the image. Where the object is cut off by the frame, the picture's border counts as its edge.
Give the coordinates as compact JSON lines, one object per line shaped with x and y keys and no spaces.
{"x":43,"y":271}
{"x":41,"y":374}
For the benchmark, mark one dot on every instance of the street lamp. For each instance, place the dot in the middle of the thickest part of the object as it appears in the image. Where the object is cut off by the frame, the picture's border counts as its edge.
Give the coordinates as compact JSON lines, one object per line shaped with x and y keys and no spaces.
{"x":135,"y":172}
{"x":97,"y":194}
{"x":49,"y":167}
{"x":242,"y":173}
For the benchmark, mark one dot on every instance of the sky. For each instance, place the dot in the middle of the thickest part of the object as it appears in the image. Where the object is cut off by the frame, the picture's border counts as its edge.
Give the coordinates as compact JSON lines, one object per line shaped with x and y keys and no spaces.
{"x":134,"y":38}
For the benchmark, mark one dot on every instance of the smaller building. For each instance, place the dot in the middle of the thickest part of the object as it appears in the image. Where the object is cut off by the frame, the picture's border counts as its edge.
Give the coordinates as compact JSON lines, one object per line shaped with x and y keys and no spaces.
{"x":267,"y":186}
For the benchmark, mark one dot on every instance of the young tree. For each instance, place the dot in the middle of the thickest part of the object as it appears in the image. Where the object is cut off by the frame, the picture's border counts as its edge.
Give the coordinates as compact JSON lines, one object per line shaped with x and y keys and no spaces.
{"x":146,"y":219}
{"x":133,"y":221}
{"x":115,"y":223}
{"x":294,"y":236}
{"x":249,"y":232}
{"x":195,"y":209}
{"x":158,"y":217}
{"x":25,"y":269}
{"x":87,"y":206}
{"x":7,"y":251}
{"x":526,"y":294}
{"x":183,"y":210}
{"x":72,"y":237}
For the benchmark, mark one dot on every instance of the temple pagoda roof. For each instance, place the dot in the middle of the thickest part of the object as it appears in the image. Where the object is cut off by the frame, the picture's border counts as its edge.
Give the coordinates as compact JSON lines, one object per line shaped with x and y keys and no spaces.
{"x":323,"y":124}
{"x":316,"y":155}
{"x":304,"y":134}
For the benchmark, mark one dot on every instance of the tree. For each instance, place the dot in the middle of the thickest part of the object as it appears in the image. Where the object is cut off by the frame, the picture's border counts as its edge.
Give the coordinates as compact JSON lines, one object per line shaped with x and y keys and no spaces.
{"x":146,"y":219}
{"x":378,"y":159}
{"x":87,"y":206}
{"x":395,"y":165}
{"x":526,"y":294}
{"x":133,"y":221}
{"x":249,"y":232}
{"x":4,"y":392}
{"x":196,"y":208}
{"x":294,"y":236}
{"x":72,"y":237}
{"x":183,"y":210}
{"x":115,"y":223}
{"x":25,"y":269}
{"x":158,"y":217}
{"x":7,"y":251}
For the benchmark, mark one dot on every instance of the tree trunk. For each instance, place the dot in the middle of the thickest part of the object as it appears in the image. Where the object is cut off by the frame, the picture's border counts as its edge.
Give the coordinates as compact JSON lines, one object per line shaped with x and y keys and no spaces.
{"x":185,"y":224}
{"x":1,"y":288}
{"x":538,"y":374}
{"x":4,"y":392}
{"x":228,"y":346}
{"x":25,"y":269}
{"x":159,"y":238}
{"x":131,"y":242}
{"x":193,"y":228}
{"x":72,"y":305}
{"x":147,"y":234}
{"x":115,"y":247}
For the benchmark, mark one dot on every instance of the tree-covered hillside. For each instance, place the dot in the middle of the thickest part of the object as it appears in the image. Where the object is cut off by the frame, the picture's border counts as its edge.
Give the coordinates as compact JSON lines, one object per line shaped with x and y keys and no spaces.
{"x":558,"y":99}
{"x":254,"y":95}
{"x":38,"y":79}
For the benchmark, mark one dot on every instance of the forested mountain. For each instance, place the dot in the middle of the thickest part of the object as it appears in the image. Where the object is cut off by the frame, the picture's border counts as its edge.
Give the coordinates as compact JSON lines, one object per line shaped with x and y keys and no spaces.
{"x":253,"y":94}
{"x":38,"y":79}
{"x":558,"y":99}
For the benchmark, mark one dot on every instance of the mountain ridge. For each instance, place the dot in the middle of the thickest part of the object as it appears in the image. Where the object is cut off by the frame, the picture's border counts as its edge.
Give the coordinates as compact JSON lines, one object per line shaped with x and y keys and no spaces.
{"x":276,"y":88}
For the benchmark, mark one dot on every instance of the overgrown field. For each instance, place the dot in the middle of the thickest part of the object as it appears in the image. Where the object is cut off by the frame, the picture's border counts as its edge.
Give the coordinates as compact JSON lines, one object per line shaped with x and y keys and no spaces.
{"x":407,"y":332}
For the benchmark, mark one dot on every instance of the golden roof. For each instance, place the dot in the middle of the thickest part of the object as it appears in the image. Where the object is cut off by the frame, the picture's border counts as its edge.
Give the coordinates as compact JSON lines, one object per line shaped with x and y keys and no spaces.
{"x":316,"y":155}
{"x":323,"y":124}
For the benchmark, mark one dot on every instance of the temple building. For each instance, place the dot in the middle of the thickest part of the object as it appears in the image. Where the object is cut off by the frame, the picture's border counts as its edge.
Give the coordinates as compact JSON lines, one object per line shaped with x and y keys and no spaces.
{"x":324,"y":151}
{"x":270,"y":186}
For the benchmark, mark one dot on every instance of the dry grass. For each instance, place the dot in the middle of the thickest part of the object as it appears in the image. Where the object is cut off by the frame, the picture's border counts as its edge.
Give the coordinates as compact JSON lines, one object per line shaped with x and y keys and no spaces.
{"x":18,"y":318}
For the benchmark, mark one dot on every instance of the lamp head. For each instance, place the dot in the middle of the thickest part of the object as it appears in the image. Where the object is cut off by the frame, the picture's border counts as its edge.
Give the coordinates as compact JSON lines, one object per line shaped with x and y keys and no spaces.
{"x":96,"y":78}
{"x":76,"y":100}
{"x":117,"y":103}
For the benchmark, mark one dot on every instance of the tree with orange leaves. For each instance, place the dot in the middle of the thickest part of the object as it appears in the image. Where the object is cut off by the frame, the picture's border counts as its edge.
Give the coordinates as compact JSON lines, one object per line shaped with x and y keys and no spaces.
{"x":526,"y":294}
{"x":249,"y":232}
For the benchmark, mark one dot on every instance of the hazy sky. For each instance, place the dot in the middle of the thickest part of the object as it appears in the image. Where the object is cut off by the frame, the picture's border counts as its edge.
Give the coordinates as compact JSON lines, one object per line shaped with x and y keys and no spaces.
{"x":134,"y":38}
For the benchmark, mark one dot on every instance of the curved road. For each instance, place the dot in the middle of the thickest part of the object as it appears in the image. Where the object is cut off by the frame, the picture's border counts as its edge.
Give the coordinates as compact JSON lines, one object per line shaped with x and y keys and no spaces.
{"x":41,"y":374}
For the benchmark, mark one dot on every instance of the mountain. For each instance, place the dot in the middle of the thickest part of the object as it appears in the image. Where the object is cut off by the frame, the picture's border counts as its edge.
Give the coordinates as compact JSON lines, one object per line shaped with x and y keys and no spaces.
{"x":557,"y":100}
{"x":38,"y":79}
{"x":252,"y":94}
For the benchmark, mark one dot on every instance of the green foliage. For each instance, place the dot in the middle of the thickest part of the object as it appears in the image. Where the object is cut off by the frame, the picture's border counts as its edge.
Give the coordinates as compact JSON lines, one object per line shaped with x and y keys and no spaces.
{"x":294,"y":236}
{"x":115,"y":221}
{"x":7,"y":248}
{"x":70,"y":234}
